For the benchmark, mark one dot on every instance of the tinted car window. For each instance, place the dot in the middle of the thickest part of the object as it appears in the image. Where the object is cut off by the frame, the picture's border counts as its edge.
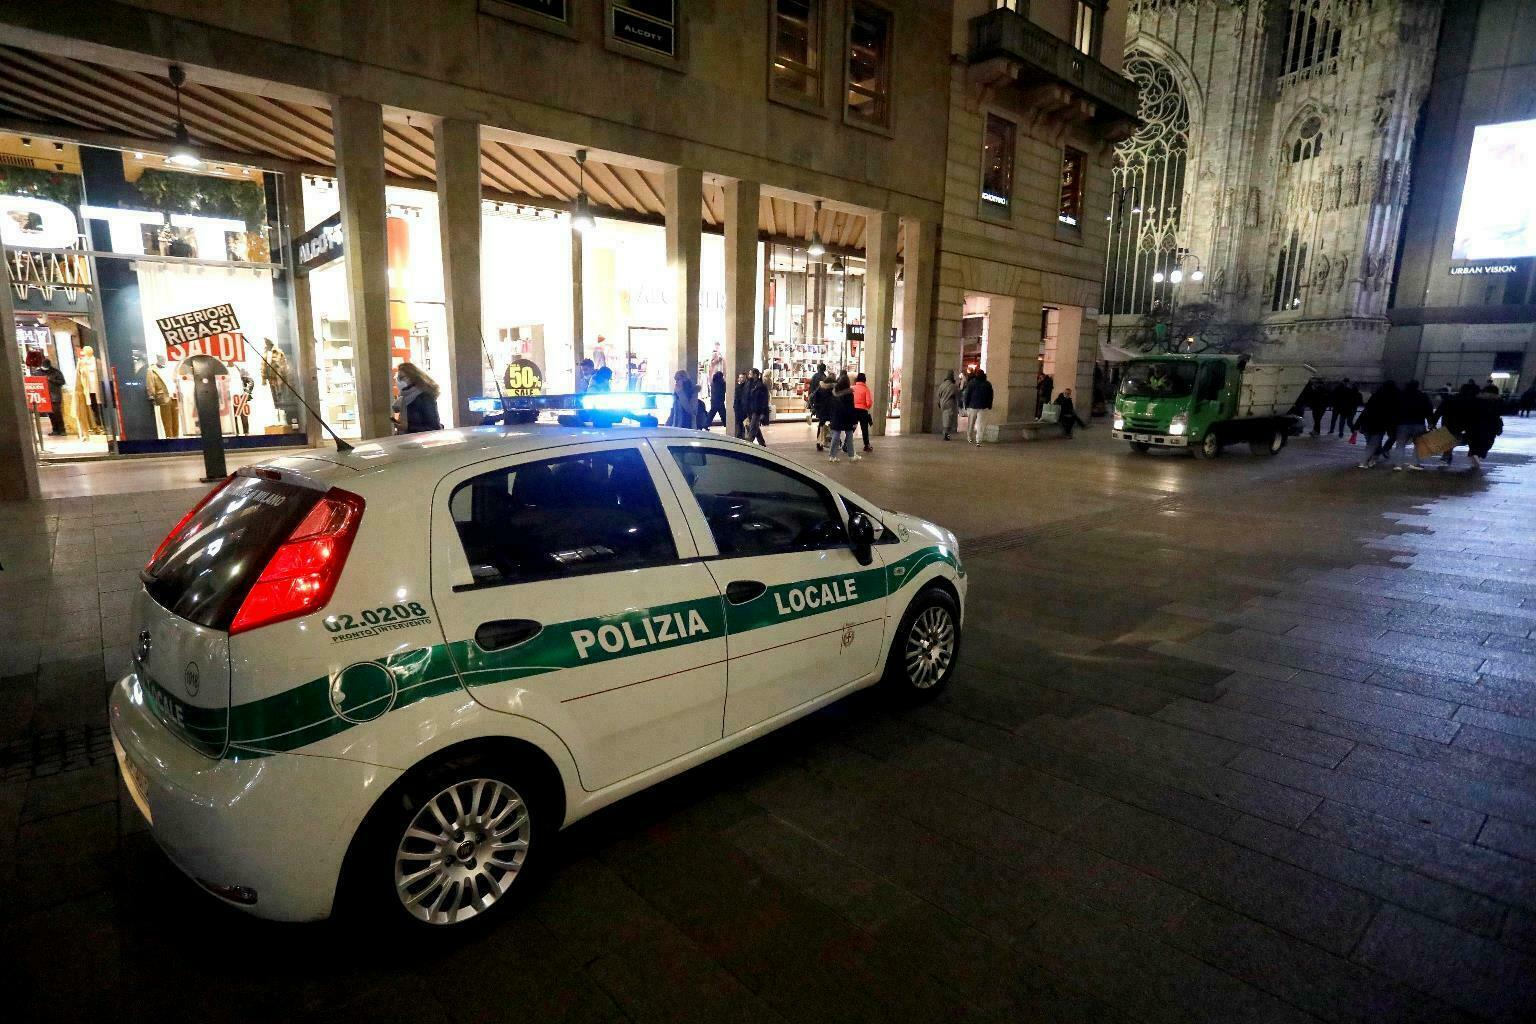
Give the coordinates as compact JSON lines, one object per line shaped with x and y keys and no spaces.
{"x":757,"y":508}
{"x":206,"y":574}
{"x":562,"y":517}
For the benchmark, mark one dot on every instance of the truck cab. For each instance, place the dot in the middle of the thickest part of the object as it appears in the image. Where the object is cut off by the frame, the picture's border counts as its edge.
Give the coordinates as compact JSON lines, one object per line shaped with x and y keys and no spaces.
{"x":1204,"y":402}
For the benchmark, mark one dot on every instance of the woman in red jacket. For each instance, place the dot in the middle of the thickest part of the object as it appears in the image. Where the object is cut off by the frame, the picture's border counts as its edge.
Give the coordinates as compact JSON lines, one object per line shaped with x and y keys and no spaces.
{"x":863,"y":402}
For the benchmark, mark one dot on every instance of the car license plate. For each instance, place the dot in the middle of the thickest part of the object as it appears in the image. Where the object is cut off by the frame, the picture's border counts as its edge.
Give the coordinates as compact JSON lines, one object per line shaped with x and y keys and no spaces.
{"x":1143,"y":437}
{"x":135,"y":780}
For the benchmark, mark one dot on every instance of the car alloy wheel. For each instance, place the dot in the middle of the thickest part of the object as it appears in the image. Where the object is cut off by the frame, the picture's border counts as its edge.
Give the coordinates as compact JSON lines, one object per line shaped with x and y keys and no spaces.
{"x":462,"y":851}
{"x":930,"y":647}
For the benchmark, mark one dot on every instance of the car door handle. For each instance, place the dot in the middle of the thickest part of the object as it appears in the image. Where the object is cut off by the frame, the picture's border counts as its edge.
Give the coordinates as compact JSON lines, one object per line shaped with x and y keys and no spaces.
{"x":742,"y":591}
{"x":499,"y":634}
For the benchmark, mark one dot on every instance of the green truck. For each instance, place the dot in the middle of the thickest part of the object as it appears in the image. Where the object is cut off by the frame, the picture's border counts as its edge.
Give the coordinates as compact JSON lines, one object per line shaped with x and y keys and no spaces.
{"x":1203,"y":403}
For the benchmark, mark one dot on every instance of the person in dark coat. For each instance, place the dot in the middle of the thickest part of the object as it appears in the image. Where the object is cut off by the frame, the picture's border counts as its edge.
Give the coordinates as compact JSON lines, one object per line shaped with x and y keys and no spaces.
{"x":1378,"y":422}
{"x":1345,"y":401}
{"x":1413,"y":416}
{"x":1044,"y":384}
{"x":1473,"y":416}
{"x":755,"y":400}
{"x":716,"y":401}
{"x":55,"y":397}
{"x":685,"y":398}
{"x":977,"y":401}
{"x":816,"y":379}
{"x":1314,"y":398}
{"x":845,"y":419}
{"x":821,"y":412}
{"x":1069,"y":417}
{"x":416,"y":408}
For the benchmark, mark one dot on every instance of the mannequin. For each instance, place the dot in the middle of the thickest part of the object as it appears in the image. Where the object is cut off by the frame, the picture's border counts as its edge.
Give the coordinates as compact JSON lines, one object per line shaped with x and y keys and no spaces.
{"x":161,"y":388}
{"x":87,"y":387}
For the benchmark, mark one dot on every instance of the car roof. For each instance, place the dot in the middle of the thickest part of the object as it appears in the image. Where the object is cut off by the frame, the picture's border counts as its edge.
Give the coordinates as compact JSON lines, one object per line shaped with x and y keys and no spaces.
{"x":444,"y":450}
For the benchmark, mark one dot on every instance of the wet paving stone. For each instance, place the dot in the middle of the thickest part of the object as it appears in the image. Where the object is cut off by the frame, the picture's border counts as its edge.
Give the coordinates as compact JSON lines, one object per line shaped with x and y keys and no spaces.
{"x":1246,"y":740}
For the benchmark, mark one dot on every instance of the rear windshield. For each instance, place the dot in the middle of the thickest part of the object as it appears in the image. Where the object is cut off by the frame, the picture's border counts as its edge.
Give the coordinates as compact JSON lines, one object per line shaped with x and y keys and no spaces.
{"x":1158,"y":380}
{"x":205,"y":575}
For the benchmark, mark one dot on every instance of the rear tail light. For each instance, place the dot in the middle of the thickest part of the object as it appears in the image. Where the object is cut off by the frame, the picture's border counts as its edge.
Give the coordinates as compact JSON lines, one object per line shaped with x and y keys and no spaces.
{"x":301,"y":575}
{"x":175,"y":534}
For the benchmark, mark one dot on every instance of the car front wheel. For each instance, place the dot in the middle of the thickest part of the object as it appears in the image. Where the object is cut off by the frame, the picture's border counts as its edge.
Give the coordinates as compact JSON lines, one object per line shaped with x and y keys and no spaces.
{"x":926,"y":646}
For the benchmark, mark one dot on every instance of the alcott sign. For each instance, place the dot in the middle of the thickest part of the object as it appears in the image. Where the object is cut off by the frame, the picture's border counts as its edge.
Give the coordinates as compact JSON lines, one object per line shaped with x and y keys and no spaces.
{"x":318,"y":246}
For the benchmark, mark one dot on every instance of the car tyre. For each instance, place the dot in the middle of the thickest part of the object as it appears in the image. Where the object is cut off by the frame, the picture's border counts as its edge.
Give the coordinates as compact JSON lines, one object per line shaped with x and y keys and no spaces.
{"x":453,"y":848}
{"x":1272,"y":445}
{"x":1209,"y":446}
{"x":925,"y":648}
{"x":1140,"y":447}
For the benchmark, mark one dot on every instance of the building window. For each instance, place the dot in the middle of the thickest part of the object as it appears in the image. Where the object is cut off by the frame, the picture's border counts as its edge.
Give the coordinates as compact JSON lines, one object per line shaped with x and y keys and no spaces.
{"x":1290,"y":275}
{"x":997,"y":150}
{"x":1088,"y":26}
{"x":1310,"y":38}
{"x":1148,"y":188}
{"x":1308,"y":142}
{"x":869,"y":64}
{"x":1073,"y":165}
{"x":796,"y":71}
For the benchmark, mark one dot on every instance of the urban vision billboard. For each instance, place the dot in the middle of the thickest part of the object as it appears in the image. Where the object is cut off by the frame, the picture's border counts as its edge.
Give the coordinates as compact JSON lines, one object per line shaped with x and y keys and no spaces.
{"x":1498,"y":203}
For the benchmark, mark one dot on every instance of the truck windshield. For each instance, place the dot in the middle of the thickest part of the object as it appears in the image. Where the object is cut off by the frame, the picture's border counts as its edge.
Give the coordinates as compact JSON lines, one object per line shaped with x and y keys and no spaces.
{"x":1158,"y":380}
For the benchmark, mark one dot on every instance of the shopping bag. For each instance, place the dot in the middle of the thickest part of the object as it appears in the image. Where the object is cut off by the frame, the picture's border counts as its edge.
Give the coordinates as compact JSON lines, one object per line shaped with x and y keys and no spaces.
{"x":1354,"y":437}
{"x":1434,"y":442}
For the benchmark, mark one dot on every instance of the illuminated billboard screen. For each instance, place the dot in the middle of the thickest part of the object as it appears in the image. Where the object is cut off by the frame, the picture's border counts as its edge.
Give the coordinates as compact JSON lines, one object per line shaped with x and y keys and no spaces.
{"x":1498,"y":203}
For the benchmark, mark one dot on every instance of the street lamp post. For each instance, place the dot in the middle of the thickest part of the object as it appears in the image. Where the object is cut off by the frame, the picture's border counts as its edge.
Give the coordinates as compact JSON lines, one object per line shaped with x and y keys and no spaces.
{"x":1116,"y":212}
{"x":1177,"y":277}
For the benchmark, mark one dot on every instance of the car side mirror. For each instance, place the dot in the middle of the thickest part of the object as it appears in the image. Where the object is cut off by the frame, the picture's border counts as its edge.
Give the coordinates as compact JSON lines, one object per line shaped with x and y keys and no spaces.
{"x":861,"y":537}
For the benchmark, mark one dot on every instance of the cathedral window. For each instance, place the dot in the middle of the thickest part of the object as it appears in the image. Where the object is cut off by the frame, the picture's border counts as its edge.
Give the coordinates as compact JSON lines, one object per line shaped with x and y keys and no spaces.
{"x":1308,"y":142}
{"x":1311,"y":37}
{"x":1149,"y":188}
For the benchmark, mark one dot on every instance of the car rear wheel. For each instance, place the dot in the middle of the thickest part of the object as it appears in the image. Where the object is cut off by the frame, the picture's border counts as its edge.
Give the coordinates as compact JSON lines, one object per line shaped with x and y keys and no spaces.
{"x":453,"y":847}
{"x":926,"y":646}
{"x":1270,"y":446}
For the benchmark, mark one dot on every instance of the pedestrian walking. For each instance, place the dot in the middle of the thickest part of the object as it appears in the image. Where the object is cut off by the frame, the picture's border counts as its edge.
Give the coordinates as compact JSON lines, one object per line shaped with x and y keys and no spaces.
{"x":758,"y":409}
{"x":863,"y":402}
{"x":716,"y":401}
{"x":949,"y":403}
{"x":1527,"y":401}
{"x":977,"y":400}
{"x":821,"y":411}
{"x":739,"y":428}
{"x":844,"y":419}
{"x":416,"y":408}
{"x":816,"y":379}
{"x":1314,"y":398}
{"x":1378,"y":422}
{"x":1484,"y":424}
{"x":1068,"y":418}
{"x":1345,"y":401}
{"x":1413,"y":416}
{"x":685,"y":396}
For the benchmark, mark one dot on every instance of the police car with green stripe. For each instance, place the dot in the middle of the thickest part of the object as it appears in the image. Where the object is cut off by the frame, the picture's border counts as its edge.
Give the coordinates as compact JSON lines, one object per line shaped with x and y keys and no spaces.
{"x":389,"y":675}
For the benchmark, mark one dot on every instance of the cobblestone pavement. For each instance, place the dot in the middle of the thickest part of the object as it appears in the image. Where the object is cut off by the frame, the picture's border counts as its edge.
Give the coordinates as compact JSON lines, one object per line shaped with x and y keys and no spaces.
{"x":1244,"y":740}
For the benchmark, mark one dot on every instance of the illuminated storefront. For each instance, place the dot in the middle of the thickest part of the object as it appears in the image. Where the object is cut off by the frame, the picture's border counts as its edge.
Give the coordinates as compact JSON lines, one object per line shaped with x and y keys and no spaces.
{"x":123,"y":266}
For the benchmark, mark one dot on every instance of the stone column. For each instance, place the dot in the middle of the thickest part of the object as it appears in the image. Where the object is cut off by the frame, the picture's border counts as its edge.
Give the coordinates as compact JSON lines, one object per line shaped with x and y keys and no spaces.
{"x":1009,"y":398}
{"x":917,"y":355}
{"x":741,"y":202}
{"x":18,"y":459}
{"x":684,"y":200}
{"x":578,"y":307}
{"x":359,"y":132}
{"x":458,"y":216}
{"x":303,"y":310}
{"x":879,"y":298}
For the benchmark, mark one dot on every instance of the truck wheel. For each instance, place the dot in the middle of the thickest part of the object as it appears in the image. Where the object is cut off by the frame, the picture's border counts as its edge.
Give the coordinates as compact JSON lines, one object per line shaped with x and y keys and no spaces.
{"x":1140,"y":447}
{"x":1209,"y":446}
{"x":1270,"y":446}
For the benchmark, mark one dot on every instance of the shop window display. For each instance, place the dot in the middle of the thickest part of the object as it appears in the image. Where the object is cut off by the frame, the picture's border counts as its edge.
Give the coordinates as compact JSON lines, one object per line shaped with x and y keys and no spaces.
{"x":124,"y":267}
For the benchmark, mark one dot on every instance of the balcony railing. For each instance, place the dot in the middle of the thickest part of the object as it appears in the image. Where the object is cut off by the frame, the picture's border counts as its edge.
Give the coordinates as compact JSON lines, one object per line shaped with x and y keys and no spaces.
{"x":1009,"y":35}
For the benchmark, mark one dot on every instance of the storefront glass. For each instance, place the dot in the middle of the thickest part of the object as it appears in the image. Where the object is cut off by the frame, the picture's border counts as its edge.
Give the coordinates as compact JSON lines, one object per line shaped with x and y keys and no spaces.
{"x":123,"y":267}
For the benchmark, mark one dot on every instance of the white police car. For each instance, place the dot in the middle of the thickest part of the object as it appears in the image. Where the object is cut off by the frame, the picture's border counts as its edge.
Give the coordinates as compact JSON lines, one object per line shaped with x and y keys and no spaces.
{"x":389,"y":675}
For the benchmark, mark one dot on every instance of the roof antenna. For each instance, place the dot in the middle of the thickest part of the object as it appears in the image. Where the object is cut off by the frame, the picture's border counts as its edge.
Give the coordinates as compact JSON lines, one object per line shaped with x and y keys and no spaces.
{"x":501,"y":399}
{"x":341,"y":446}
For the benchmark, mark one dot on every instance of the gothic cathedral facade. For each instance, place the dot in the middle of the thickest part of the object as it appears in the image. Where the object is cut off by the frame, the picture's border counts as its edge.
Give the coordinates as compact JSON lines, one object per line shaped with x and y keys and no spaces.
{"x":1269,"y":179}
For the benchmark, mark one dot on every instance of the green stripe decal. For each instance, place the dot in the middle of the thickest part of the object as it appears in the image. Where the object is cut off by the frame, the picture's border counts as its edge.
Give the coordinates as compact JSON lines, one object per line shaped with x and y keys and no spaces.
{"x":324,"y":707}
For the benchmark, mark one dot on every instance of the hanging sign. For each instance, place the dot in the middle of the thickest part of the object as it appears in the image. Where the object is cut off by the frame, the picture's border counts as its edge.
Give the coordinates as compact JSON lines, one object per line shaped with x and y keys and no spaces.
{"x":648,"y":24}
{"x":318,"y":246}
{"x":214,"y":331}
{"x":524,"y":378}
{"x":35,"y":390}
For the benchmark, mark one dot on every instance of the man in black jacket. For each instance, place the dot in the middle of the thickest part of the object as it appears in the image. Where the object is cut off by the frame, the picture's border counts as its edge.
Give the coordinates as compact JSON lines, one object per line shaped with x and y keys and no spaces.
{"x":1345,"y":401}
{"x":756,"y":401}
{"x":55,"y":398}
{"x":1069,"y":417}
{"x":977,"y":401}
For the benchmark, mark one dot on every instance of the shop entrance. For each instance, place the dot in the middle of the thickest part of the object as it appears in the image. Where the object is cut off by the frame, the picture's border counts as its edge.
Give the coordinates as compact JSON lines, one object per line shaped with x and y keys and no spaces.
{"x":63,"y":384}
